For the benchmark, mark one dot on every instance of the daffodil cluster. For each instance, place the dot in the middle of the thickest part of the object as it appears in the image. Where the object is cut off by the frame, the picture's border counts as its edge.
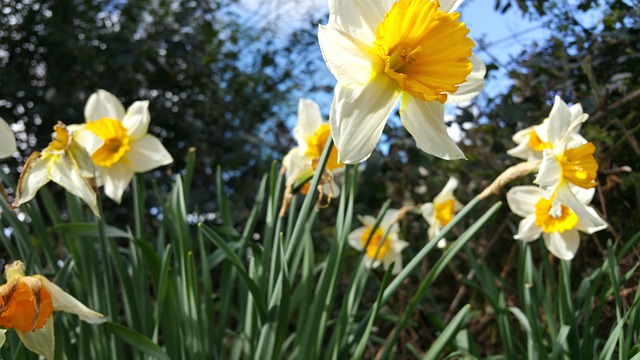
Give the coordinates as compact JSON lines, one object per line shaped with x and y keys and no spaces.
{"x":106,"y":151}
{"x":559,"y":206}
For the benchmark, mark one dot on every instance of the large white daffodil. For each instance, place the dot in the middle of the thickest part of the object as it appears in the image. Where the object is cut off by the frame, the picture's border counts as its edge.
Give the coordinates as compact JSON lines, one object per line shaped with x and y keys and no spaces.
{"x":378,"y":248}
{"x":557,"y":223}
{"x":311,"y":135}
{"x":64,"y":162}
{"x":27,"y":304}
{"x":568,"y":160}
{"x":7,"y":140}
{"x":532,"y":141}
{"x":440,"y":212}
{"x":381,"y":51}
{"x":126,"y":147}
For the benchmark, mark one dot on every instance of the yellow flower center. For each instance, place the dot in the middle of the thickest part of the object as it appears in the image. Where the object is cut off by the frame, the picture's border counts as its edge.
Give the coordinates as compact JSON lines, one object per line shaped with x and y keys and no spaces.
{"x":445,"y":211}
{"x":376,"y":238}
{"x":25,"y":304}
{"x":424,"y":49}
{"x":536,"y":143}
{"x":579,"y":166}
{"x":554,"y":221}
{"x":315,"y":147}
{"x":61,"y":140}
{"x":116,"y":141}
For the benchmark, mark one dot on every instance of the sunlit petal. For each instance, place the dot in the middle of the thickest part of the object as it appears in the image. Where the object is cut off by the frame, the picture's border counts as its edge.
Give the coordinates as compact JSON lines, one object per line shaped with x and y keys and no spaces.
{"x":148,"y":153}
{"x":62,"y":301}
{"x":103,"y":104}
{"x":425,"y":122}
{"x":7,"y":140}
{"x":137,"y":119}
{"x":34,"y":176}
{"x":528,"y":230}
{"x":522,"y":200}
{"x":562,"y":245}
{"x":40,"y":341}
{"x":358,"y":117}
{"x":116,"y":180}
{"x":473,"y":85}
{"x":309,"y":120}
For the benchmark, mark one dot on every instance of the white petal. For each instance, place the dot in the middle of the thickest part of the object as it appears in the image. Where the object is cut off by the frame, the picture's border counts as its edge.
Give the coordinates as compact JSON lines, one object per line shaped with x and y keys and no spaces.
{"x":355,"y":238}
{"x":148,"y":153}
{"x":388,"y":219}
{"x":137,"y":119}
{"x":395,"y":258}
{"x":3,"y":336}
{"x":370,"y":263}
{"x":447,"y":191}
{"x":449,"y":6}
{"x":350,"y":60}
{"x":528,"y":230}
{"x":116,"y":180}
{"x":563,"y":246}
{"x":473,"y":84}
{"x":583,"y":195}
{"x":359,"y":17}
{"x":294,"y":162}
{"x":367,"y":220}
{"x":559,"y":119}
{"x":86,"y":139}
{"x":309,"y":120}
{"x":358,"y":117}
{"x":523,"y":199}
{"x":568,"y":198}
{"x":40,"y":341}
{"x":425,"y":122}
{"x":62,"y":301}
{"x":576,"y":111}
{"x":7,"y":140}
{"x":587,"y":227}
{"x":550,"y":173}
{"x":525,"y":152}
{"x":34,"y":176}
{"x":63,"y":172}
{"x":434,"y":229}
{"x":522,"y":135}
{"x":103,"y":104}
{"x":428,"y":212}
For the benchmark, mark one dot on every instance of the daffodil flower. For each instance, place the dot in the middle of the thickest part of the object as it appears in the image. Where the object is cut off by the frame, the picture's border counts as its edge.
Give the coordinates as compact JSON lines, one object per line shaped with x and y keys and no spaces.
{"x":379,"y":249}
{"x":126,"y":147}
{"x":27,"y":304}
{"x":569,"y":160}
{"x":440,"y":212}
{"x":64,"y":162}
{"x":7,"y":140}
{"x":556,"y":222}
{"x":382,"y":51}
{"x":311,"y":135}
{"x":532,"y":141}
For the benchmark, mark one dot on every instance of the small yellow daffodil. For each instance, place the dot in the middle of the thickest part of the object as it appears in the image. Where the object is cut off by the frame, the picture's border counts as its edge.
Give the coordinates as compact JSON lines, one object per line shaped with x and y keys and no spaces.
{"x":7,"y":140}
{"x":125,"y":146}
{"x":311,"y":135}
{"x":64,"y":162}
{"x":556,"y":222}
{"x":379,"y":249}
{"x":382,"y":51}
{"x":440,"y":212}
{"x":27,"y":304}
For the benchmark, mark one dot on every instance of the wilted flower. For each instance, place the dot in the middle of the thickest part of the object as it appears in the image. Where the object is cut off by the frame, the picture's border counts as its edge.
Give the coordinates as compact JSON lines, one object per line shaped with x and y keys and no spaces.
{"x":381,"y":51}
{"x":380,"y":248}
{"x":440,"y":212}
{"x":568,"y":160}
{"x":7,"y":140}
{"x":64,"y":162}
{"x":27,"y":303}
{"x":533,"y":140}
{"x":311,"y":135}
{"x":557,"y":223}
{"x":126,"y":147}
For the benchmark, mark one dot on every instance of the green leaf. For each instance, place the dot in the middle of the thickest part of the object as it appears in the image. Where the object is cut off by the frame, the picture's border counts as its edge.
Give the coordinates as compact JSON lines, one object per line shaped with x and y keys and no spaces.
{"x":136,"y":340}
{"x":92,"y":229}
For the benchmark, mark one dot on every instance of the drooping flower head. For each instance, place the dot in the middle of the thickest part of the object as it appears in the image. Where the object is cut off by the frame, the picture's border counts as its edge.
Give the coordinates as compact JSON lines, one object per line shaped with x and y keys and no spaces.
{"x":568,"y":160}
{"x":27,"y":304}
{"x":311,"y":135}
{"x":378,"y":247}
{"x":532,"y":141}
{"x":440,"y":212}
{"x":126,"y":147}
{"x":382,"y":51}
{"x":556,"y":222}
{"x":7,"y":140}
{"x":64,"y":162}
